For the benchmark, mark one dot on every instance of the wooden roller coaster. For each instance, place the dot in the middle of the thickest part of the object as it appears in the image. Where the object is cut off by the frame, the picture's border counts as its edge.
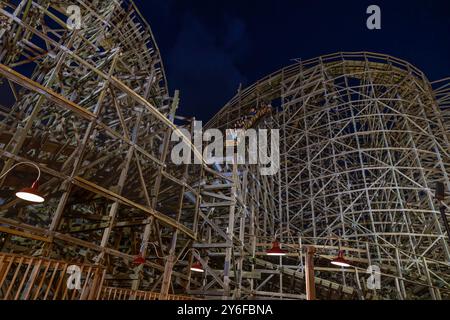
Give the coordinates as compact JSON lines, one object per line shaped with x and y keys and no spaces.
{"x":364,"y":140}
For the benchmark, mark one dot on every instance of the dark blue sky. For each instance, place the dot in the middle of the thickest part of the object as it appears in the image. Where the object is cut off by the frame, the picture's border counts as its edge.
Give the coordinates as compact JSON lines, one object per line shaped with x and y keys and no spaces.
{"x":209,"y":47}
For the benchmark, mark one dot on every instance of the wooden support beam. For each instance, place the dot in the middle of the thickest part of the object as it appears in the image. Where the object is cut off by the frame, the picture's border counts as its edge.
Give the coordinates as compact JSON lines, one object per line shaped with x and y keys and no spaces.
{"x":310,"y":277}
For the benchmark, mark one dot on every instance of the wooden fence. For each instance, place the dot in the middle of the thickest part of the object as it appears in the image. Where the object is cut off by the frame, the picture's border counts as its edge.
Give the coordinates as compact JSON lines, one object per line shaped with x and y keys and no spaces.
{"x":110,"y":293}
{"x":35,"y":278}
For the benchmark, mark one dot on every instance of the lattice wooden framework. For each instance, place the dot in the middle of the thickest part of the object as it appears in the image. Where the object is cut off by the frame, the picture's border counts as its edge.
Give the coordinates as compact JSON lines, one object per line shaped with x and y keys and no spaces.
{"x":364,"y":139}
{"x":91,"y":108}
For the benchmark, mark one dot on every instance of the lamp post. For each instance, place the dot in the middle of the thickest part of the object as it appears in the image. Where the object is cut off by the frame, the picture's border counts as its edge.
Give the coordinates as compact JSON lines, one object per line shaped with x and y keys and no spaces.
{"x":31,"y":194}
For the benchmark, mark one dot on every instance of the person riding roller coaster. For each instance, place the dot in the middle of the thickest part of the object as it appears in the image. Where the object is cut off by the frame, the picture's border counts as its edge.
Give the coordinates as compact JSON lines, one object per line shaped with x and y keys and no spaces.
{"x":248,"y":121}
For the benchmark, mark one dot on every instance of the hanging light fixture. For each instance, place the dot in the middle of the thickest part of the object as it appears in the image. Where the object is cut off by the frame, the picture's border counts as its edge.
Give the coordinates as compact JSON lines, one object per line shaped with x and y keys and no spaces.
{"x":340,"y":260}
{"x":139,"y":260}
{"x":276,"y":251}
{"x":197,"y":267}
{"x":31,"y":194}
{"x":28,"y":194}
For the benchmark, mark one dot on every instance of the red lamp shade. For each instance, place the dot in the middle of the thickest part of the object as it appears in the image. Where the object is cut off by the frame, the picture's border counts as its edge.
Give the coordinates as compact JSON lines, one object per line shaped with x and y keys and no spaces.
{"x":276,"y":250}
{"x":197,"y":267}
{"x":340,"y":261}
{"x":31,"y":194}
{"x":139,"y":260}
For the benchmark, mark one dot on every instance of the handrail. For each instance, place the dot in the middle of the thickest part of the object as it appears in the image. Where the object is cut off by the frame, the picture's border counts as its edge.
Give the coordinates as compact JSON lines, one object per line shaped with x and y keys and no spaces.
{"x":113,"y":293}
{"x":35,"y":278}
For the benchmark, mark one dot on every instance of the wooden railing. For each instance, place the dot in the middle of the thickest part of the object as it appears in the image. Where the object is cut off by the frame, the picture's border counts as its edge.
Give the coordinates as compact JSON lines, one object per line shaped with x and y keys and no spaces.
{"x":33,"y":278}
{"x":110,"y":293}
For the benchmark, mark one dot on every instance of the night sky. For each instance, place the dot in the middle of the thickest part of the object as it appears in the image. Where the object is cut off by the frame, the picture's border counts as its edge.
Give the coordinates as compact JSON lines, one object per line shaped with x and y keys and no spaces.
{"x":209,"y":47}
